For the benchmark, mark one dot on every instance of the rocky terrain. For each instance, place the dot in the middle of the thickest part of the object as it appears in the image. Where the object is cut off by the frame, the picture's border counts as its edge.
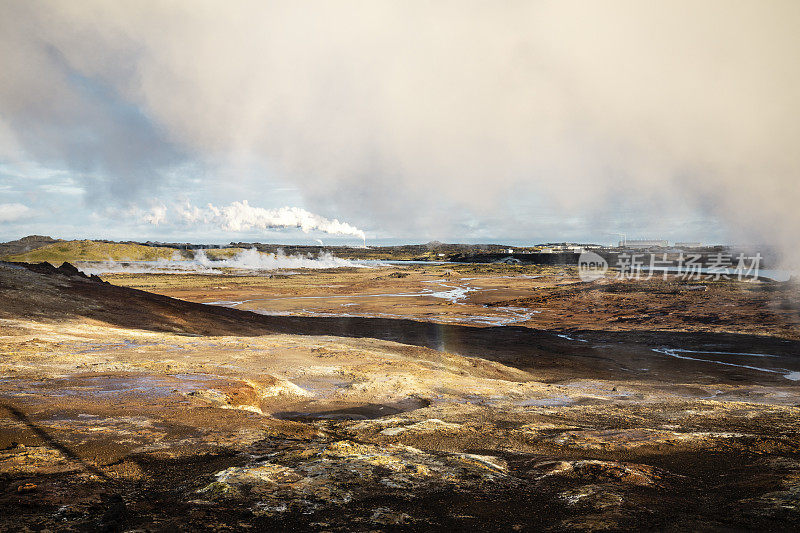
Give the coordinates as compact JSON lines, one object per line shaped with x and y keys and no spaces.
{"x":25,"y":244}
{"x":395,"y":399}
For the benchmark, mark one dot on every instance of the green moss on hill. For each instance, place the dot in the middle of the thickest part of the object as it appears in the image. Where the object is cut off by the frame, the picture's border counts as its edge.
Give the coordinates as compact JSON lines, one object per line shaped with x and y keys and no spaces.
{"x":222,"y":253}
{"x":93,"y":251}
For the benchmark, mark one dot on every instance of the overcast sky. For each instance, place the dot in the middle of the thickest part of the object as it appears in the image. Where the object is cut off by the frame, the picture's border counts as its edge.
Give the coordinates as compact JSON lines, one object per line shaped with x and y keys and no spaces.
{"x":408,"y":121}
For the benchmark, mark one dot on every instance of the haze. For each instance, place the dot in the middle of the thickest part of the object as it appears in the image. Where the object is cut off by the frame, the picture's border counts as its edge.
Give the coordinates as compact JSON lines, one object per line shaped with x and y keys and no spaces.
{"x":459,"y":121}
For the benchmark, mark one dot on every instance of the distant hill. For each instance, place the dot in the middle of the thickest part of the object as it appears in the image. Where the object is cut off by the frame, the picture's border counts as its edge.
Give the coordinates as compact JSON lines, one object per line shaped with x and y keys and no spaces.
{"x":58,"y":251}
{"x":26,"y":244}
{"x":37,"y":248}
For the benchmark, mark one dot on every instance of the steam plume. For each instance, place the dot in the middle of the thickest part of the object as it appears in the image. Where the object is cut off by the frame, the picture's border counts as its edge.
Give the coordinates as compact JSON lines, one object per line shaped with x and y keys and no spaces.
{"x":254,"y":260}
{"x":241,"y":216}
{"x":245,"y":260}
{"x":414,"y":116}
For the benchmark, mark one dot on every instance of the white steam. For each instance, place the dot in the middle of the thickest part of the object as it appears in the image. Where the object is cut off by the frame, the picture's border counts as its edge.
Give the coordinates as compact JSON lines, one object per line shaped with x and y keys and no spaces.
{"x":416,"y":116}
{"x":252,"y":259}
{"x":246,"y":260}
{"x":241,"y":216}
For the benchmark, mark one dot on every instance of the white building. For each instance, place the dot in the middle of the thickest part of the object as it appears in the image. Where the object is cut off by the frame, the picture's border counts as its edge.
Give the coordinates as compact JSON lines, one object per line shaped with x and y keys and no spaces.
{"x":643,"y":243}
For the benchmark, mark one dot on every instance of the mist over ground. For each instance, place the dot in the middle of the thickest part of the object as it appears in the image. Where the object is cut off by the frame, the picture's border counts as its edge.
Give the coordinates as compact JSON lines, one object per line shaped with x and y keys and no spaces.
{"x":248,"y":260}
{"x":406,"y":119}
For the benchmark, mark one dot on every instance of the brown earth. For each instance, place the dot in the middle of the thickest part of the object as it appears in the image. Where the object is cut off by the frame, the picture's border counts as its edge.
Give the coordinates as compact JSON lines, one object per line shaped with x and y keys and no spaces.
{"x":127,"y":410}
{"x":558,"y":299}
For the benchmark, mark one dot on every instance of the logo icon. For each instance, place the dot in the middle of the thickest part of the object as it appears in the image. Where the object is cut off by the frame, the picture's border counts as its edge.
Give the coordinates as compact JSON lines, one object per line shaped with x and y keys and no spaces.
{"x":591,"y":266}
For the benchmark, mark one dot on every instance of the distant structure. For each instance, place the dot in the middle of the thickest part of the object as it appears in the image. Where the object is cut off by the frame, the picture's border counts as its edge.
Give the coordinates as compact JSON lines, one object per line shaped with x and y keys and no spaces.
{"x":643,"y":243}
{"x":688,"y":245}
{"x":574,"y":247}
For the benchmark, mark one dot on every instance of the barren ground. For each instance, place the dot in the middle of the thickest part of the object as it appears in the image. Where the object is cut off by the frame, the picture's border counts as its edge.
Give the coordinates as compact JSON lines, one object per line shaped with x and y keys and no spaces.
{"x":418,"y":398}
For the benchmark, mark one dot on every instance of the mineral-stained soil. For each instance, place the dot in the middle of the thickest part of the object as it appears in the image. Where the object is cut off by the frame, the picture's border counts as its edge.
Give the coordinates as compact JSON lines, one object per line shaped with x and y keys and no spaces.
{"x":450,"y":398}
{"x":485,"y":295}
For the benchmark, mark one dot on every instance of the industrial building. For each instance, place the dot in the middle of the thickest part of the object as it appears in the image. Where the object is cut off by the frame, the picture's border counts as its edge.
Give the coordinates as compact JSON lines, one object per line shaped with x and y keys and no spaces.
{"x":643,"y":243}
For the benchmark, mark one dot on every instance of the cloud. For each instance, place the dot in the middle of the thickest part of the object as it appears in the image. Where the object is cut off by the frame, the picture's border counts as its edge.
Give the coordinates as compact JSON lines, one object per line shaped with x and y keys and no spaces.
{"x":62,"y":115}
{"x":412,"y":117}
{"x":156,"y":215}
{"x":14,"y":212}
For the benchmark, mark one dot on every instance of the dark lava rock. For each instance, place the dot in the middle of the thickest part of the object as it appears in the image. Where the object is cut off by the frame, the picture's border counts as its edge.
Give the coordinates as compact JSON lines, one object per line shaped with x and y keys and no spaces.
{"x":66,"y":269}
{"x":41,"y":268}
{"x":71,"y":270}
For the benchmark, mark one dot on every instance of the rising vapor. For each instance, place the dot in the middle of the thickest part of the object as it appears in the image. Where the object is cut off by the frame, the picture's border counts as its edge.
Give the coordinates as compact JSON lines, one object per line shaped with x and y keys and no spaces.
{"x":412,"y":117}
{"x":241,"y":216}
{"x":251,"y":260}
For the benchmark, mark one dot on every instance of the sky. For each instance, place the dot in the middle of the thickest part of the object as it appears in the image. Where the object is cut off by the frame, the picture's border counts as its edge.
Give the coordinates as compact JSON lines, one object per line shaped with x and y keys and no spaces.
{"x":388,"y":122}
